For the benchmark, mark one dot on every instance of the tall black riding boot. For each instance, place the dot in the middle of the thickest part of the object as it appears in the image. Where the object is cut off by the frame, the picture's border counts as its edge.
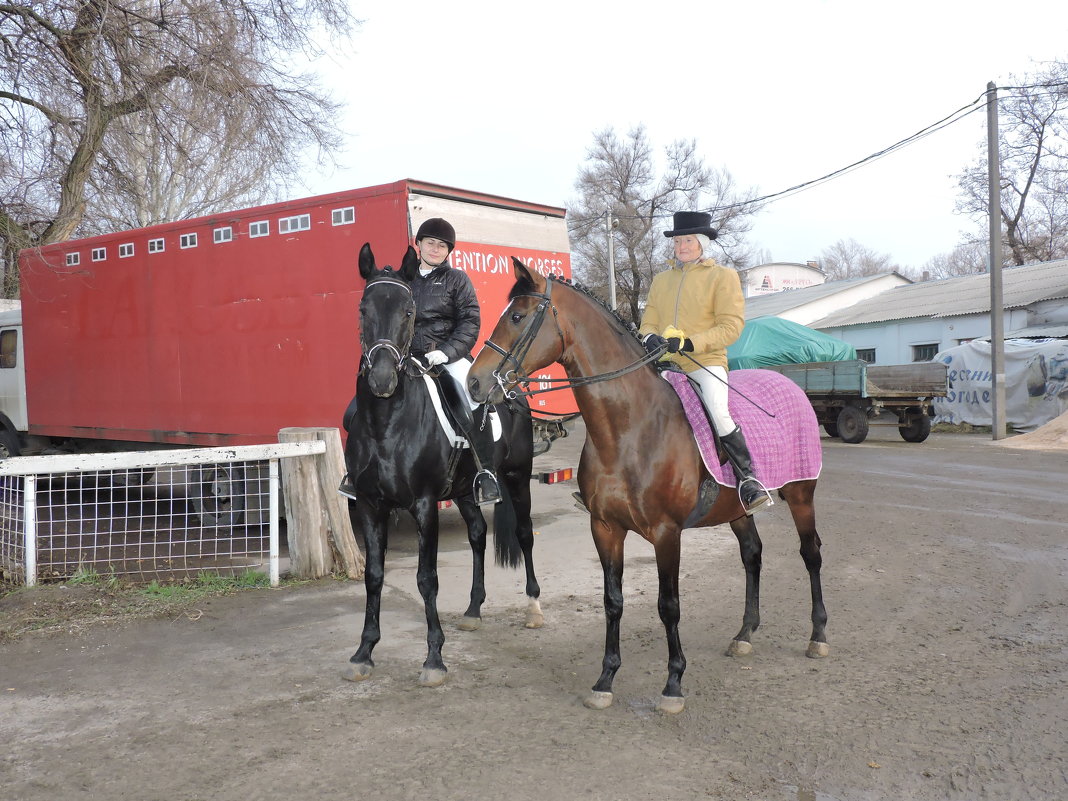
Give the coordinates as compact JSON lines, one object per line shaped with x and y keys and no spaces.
{"x":750,"y":491}
{"x":347,"y":487}
{"x":480,"y":437}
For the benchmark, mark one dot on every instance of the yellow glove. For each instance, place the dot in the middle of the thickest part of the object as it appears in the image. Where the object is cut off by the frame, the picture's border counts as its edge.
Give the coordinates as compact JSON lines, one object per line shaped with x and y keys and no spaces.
{"x":672,"y":331}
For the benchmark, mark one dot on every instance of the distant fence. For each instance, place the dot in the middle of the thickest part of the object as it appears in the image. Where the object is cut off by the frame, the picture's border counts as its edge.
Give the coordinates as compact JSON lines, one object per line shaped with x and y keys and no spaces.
{"x":146,"y":515}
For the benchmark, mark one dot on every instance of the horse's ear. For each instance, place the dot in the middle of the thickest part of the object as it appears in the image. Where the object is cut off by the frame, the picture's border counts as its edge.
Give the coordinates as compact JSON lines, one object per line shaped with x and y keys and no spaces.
{"x":526,"y":276}
{"x":367,"y":261}
{"x":410,"y":265}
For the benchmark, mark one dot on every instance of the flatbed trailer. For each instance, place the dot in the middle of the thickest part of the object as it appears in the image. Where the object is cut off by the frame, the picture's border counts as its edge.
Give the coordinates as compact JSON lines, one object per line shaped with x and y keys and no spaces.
{"x":850,"y":396}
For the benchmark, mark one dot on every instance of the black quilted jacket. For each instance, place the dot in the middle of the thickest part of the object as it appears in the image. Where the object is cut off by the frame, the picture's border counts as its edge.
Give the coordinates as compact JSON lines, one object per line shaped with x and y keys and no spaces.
{"x":446,"y":313}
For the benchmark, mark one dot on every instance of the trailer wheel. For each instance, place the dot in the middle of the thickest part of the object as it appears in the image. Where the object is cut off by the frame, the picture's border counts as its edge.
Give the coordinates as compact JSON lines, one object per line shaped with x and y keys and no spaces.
{"x":219,"y":495}
{"x":917,"y":428}
{"x":831,"y":427}
{"x":9,"y":443}
{"x":852,"y":424}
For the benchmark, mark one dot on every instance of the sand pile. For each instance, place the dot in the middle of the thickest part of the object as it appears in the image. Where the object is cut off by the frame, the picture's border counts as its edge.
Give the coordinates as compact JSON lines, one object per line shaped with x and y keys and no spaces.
{"x":1052,"y":436}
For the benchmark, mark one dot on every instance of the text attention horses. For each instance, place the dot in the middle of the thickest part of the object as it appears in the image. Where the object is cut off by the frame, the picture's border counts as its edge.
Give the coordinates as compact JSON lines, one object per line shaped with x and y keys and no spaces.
{"x":399,"y":457}
{"x":640,"y":468}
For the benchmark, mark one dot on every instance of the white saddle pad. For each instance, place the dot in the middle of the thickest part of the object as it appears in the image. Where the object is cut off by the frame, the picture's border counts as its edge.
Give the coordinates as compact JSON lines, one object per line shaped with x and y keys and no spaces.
{"x":454,"y":437}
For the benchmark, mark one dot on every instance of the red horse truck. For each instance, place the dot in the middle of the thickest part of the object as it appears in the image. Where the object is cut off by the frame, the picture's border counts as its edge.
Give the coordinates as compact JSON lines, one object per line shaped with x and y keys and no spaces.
{"x":222,"y":330}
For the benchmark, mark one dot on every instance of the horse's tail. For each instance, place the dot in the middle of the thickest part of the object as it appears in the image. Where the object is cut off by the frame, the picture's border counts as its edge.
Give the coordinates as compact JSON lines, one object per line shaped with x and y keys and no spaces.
{"x":506,"y":550}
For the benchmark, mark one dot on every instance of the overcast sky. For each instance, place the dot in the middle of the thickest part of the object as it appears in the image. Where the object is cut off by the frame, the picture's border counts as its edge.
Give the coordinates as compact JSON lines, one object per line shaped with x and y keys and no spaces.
{"x":505,"y":98}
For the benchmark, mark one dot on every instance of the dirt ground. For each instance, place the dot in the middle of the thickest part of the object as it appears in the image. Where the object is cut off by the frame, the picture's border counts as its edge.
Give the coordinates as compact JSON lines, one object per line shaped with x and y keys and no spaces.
{"x":945,"y":568}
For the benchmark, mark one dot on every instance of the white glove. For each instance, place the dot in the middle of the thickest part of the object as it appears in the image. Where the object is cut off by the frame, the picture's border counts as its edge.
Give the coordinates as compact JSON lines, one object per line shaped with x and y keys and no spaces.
{"x":435,"y":357}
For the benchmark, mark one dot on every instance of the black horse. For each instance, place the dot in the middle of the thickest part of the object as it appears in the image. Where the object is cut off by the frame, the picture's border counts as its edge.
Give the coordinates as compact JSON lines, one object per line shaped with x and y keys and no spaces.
{"x":399,"y":457}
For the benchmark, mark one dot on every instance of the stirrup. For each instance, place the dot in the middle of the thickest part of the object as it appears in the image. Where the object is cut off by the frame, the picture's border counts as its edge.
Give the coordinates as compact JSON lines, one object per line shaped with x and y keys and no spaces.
{"x":751,"y":501}
{"x":347,"y":488}
{"x":580,"y":501}
{"x":490,"y":490}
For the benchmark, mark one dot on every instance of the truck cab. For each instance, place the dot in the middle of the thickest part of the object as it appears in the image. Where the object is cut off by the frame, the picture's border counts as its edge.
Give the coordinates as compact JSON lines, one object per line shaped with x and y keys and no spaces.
{"x":13,"y":417}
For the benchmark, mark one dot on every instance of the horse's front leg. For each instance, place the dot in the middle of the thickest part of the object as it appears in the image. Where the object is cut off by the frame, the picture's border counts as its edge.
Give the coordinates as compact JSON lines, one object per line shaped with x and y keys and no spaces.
{"x":608,"y":539}
{"x":751,"y":548}
{"x":519,"y":491}
{"x":667,"y":545}
{"x":374,"y":523}
{"x":476,"y":535}
{"x":425,"y":512}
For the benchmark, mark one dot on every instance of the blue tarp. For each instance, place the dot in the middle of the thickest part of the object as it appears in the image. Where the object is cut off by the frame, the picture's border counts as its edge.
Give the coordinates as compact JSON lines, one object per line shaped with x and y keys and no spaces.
{"x":772,"y":340}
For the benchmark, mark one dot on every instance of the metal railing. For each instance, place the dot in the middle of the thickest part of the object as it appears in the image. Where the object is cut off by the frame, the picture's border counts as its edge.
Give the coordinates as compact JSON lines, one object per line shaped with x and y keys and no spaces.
{"x":147,"y":515}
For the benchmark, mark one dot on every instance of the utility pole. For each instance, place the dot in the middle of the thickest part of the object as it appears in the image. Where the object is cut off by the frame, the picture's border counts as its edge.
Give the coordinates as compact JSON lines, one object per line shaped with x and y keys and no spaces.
{"x":997,"y":313}
{"x":609,"y":226}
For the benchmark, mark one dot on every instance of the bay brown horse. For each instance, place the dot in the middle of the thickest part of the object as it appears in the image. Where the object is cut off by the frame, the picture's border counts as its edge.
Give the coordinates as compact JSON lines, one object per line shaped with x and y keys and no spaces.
{"x":640,"y":468}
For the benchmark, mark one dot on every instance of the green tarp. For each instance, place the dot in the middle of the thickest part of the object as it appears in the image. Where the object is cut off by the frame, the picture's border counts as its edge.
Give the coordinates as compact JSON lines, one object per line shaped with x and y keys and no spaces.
{"x":772,"y":340}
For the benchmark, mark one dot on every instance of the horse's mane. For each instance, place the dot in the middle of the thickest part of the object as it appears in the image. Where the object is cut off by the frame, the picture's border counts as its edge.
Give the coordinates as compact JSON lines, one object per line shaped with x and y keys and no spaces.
{"x":524,"y":287}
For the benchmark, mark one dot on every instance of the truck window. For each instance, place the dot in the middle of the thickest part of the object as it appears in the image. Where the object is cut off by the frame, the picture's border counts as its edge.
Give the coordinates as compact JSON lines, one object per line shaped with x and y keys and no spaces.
{"x":9,"y":342}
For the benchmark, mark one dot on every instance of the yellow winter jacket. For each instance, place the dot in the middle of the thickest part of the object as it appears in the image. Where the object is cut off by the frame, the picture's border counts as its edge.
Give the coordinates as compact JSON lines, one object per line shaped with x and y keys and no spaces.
{"x":705,"y":300}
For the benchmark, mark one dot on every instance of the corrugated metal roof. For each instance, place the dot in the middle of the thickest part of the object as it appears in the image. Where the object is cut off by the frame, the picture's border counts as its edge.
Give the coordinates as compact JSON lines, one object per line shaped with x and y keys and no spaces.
{"x":952,"y":297}
{"x":775,"y":303}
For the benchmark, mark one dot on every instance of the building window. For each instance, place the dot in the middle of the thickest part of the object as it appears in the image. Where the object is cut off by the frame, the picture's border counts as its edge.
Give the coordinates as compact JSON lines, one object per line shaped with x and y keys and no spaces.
{"x":924,"y":353}
{"x":224,"y":235}
{"x":288,"y":225}
{"x":126,"y":250}
{"x":343,"y":216}
{"x":262,"y":228}
{"x":99,"y":254}
{"x":74,"y":259}
{"x":155,"y":245}
{"x":9,"y":348}
{"x":866,"y":354}
{"x":187,"y":241}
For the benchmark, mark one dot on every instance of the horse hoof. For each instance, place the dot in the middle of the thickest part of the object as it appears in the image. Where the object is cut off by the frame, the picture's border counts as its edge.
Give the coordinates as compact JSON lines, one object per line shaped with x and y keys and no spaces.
{"x":739,"y":648}
{"x":432,"y":677}
{"x":817,"y":650}
{"x":357,"y":671}
{"x":535,"y":618}
{"x":597,"y":700}
{"x":469,"y":624}
{"x":671,"y":704}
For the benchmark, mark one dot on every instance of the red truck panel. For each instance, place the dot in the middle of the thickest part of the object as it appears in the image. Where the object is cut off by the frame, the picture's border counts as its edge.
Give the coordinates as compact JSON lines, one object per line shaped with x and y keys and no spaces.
{"x":219,"y":343}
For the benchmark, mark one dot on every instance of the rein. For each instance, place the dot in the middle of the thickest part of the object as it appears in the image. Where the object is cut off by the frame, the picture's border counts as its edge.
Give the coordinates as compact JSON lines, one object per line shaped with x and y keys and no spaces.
{"x":519,"y":350}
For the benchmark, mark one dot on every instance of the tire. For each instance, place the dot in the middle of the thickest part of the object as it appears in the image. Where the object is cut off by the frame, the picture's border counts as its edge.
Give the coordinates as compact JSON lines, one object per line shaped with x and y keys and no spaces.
{"x":917,"y":429}
{"x":852,"y":424}
{"x":831,"y":427}
{"x":9,"y":443}
{"x":219,"y":495}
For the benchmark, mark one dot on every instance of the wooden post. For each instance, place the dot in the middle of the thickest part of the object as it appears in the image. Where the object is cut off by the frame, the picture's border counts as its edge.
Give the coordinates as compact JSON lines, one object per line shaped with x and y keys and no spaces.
{"x":317,"y":519}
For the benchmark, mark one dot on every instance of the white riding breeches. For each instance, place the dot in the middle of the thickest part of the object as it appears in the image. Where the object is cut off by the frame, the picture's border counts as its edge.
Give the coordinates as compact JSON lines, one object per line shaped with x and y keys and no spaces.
{"x":712,"y":387}
{"x":458,"y":370}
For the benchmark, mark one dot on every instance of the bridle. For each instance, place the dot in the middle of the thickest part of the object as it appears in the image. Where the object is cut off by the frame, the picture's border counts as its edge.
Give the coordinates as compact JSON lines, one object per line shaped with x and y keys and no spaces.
{"x":399,"y":354}
{"x":515,"y":355}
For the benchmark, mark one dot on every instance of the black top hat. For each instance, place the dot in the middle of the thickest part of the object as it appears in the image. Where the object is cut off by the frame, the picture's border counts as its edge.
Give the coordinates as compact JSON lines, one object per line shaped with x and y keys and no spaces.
{"x":691,"y":222}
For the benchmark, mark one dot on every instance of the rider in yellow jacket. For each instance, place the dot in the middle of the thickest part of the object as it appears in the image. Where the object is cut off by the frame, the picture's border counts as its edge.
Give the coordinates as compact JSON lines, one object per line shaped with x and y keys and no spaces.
{"x":696,"y":309}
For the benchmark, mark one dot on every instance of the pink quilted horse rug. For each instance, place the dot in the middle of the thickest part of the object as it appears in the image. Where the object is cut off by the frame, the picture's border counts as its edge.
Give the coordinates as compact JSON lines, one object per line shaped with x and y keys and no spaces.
{"x":784,"y":448}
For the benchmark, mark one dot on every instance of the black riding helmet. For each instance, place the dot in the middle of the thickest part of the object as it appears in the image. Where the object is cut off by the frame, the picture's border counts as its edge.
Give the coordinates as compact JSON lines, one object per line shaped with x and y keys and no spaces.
{"x":439,"y":229}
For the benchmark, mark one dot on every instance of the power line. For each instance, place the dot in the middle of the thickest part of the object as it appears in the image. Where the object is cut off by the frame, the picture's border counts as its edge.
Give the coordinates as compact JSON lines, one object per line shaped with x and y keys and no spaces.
{"x":970,"y":108}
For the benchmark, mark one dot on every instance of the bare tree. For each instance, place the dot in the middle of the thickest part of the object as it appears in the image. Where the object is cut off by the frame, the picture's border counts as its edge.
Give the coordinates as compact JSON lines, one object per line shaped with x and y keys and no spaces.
{"x":621,"y":177}
{"x":1033,"y":145}
{"x":967,"y":258}
{"x":850,"y":259}
{"x":82,"y":80}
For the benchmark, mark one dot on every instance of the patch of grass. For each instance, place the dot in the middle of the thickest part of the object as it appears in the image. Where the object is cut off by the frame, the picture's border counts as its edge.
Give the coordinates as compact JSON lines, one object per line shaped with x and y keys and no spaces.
{"x":89,"y":598}
{"x":206,"y":584}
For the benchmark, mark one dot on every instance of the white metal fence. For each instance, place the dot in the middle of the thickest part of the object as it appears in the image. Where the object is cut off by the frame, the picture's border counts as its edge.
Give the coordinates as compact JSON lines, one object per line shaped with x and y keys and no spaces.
{"x":147,"y":515}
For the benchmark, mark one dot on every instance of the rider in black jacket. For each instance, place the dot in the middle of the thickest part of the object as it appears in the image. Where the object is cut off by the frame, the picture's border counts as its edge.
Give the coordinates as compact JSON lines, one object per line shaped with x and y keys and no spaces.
{"x":447,"y":321}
